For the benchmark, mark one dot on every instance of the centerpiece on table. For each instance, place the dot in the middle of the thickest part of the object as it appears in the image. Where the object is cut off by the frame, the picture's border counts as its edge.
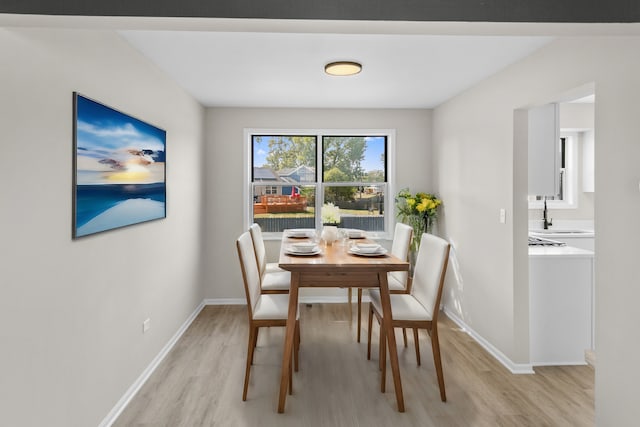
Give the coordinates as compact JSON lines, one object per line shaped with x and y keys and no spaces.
{"x":419,"y":211}
{"x":330,"y":215}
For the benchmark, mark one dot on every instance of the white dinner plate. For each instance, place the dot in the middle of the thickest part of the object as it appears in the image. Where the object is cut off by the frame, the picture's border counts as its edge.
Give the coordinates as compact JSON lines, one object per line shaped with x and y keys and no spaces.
{"x":355,"y":251}
{"x":291,"y":251}
{"x":301,"y":233}
{"x":356,"y":234}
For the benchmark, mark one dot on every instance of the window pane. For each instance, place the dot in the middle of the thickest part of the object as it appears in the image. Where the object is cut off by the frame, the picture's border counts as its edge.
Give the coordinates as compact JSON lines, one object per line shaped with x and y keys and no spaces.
{"x":354,"y":158}
{"x":284,"y":158}
{"x":361,"y":207}
{"x":283,"y":198}
{"x":284,"y":177}
{"x":564,"y":166}
{"x":286,"y":206}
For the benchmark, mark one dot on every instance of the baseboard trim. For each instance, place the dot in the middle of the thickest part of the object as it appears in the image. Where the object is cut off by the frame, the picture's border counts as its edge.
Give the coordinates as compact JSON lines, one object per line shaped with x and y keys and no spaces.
{"x":563,"y":363}
{"x":224,"y":301}
{"x":514,"y":368}
{"x":142,"y":379}
{"x":590,"y":357}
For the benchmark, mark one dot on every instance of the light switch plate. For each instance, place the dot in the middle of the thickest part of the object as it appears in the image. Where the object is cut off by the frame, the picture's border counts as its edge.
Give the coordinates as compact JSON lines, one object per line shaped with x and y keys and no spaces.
{"x":503,"y":216}
{"x":146,"y":325}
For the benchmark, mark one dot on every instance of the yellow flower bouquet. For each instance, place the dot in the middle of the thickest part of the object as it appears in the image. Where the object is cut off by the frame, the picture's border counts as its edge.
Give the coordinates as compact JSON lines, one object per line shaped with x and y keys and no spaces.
{"x":419,"y":211}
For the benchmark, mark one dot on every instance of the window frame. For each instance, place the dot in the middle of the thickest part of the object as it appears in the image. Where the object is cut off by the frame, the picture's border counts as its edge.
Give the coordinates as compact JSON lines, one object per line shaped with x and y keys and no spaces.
{"x":390,"y":174}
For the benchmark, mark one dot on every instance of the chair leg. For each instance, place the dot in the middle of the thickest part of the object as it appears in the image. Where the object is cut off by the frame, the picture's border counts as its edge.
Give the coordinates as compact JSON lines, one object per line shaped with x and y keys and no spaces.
{"x":254,"y":344}
{"x":435,"y":344}
{"x":296,"y":346}
{"x":404,"y":336}
{"x":417,"y":344}
{"x":383,"y":358}
{"x":359,"y":310}
{"x":369,"y":332}
{"x":250,"y":347}
{"x":380,"y":346}
{"x":291,"y":377}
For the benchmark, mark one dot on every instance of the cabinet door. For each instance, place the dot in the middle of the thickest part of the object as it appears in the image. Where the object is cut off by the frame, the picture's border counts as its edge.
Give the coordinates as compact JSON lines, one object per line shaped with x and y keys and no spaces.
{"x":588,"y":162}
{"x":544,"y":150}
{"x":560,"y":310}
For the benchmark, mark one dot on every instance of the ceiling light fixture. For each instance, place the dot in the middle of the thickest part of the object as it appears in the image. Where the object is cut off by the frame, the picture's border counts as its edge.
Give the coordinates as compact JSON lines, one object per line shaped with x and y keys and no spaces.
{"x":342,"y":68}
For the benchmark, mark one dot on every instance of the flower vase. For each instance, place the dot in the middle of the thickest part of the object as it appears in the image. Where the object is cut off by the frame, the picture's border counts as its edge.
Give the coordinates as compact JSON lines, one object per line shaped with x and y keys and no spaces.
{"x":428,"y":224}
{"x":421,"y":224}
{"x":413,"y":255}
{"x":329,"y":234}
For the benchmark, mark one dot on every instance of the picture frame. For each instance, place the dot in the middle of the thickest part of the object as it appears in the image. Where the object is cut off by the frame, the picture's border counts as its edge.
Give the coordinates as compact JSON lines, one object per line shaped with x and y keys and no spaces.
{"x":119,"y":163}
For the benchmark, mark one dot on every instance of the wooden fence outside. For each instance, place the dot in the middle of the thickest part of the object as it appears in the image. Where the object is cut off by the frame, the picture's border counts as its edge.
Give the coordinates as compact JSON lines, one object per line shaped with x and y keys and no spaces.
{"x":361,"y":222}
{"x":280,"y":204}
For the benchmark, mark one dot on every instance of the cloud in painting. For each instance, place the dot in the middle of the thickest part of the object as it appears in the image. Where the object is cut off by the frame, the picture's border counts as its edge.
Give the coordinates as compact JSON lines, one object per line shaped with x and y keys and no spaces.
{"x":95,"y":138}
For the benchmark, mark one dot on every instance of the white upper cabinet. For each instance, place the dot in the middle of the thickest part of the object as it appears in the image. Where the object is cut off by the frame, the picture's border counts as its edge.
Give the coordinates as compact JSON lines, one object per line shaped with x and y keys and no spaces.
{"x":544,"y":150}
{"x":588,"y":162}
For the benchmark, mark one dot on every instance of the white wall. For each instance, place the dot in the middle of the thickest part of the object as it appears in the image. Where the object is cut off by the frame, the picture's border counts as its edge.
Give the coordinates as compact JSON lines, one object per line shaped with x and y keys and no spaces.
{"x":71,"y":312}
{"x":478,"y":170}
{"x":225,"y":164}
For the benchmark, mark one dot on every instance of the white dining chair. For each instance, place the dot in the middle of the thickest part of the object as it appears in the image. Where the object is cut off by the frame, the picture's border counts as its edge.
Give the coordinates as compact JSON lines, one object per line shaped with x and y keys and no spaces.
{"x":264,"y":310}
{"x":398,"y":280}
{"x":273,"y":279}
{"x":419,"y":309}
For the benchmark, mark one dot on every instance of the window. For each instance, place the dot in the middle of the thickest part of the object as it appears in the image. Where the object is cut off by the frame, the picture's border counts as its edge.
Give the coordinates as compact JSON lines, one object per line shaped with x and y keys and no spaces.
{"x":567,"y":192}
{"x":292,"y":175}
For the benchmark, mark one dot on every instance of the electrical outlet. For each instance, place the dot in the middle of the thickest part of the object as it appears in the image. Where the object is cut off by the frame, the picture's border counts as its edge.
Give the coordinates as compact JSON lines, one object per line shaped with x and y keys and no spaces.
{"x":503,"y":216}
{"x":146,"y":325}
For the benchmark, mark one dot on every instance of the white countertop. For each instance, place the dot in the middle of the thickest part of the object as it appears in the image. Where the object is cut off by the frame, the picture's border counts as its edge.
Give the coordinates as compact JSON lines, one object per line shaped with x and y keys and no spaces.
{"x":556,"y":234}
{"x":559,"y":251}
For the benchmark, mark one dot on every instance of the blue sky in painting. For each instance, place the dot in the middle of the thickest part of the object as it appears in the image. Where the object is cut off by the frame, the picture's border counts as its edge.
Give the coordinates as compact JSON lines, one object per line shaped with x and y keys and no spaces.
{"x":102,"y":130}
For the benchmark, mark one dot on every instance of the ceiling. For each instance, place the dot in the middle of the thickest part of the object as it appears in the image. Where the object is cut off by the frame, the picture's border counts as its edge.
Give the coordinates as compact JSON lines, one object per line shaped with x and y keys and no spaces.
{"x":286,"y":69}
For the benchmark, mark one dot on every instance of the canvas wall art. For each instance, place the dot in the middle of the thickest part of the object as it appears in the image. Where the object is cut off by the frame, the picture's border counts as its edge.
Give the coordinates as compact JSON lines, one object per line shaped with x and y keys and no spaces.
{"x":119,"y":169}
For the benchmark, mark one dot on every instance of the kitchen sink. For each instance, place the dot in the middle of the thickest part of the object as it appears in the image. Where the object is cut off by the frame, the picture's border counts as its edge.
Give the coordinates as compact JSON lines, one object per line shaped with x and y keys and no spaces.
{"x":537,"y":241}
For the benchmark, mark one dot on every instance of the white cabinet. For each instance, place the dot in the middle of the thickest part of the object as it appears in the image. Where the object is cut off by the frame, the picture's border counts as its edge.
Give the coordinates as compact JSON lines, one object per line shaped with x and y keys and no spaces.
{"x":561,"y":306}
{"x":588,"y":162}
{"x":544,"y":150}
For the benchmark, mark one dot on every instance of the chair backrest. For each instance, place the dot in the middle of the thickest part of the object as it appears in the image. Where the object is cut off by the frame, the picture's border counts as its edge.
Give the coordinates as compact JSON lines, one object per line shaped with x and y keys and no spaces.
{"x":258,"y":247}
{"x":400,"y":248}
{"x":430,"y":269}
{"x":249,"y":267}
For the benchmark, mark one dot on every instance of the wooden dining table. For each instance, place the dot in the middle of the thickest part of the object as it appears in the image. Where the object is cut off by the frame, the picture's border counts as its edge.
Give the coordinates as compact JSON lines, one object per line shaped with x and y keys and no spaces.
{"x":334,"y":266}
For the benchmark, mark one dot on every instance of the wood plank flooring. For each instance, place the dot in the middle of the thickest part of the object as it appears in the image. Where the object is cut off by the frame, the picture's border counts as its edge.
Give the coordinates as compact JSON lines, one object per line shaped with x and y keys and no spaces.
{"x":200,"y":382}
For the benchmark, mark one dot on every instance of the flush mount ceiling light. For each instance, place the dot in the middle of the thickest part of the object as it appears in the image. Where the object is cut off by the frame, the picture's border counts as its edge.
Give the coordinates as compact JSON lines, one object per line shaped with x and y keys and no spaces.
{"x":342,"y":68}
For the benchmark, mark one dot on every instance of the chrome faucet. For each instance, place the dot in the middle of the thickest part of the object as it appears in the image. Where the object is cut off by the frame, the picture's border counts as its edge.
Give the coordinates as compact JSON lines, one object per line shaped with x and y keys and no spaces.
{"x":547,"y":221}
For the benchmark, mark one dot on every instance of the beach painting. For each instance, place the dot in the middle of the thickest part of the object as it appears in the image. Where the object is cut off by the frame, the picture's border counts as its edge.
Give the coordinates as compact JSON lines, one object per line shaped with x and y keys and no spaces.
{"x":119,"y":169}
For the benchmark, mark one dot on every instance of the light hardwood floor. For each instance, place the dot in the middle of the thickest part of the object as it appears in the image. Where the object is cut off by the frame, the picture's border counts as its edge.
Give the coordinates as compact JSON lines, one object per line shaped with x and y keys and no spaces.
{"x":200,"y":381}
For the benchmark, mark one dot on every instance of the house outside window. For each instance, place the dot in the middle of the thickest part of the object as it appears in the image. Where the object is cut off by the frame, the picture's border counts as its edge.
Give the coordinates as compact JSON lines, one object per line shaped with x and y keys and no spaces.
{"x":307,"y":169}
{"x":271,"y":190}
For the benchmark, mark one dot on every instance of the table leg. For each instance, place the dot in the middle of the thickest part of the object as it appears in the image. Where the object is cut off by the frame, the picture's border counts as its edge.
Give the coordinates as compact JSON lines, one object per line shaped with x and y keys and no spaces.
{"x":391,"y":338}
{"x":288,"y":341}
